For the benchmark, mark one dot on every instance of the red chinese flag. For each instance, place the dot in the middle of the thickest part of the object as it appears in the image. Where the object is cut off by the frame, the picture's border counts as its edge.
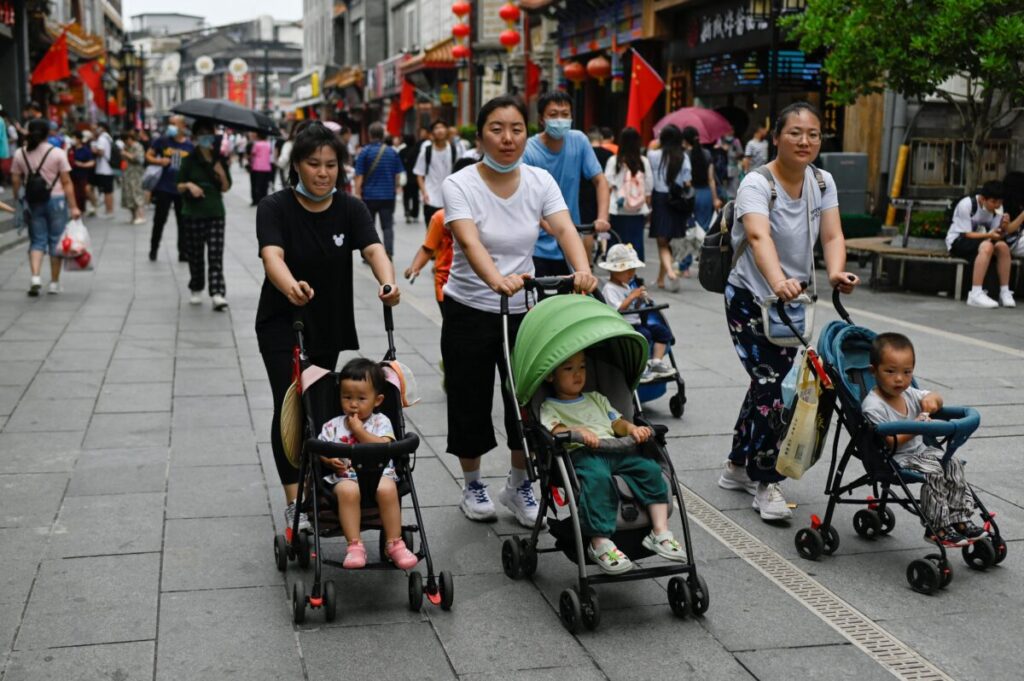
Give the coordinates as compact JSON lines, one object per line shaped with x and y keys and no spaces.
{"x":645,"y":86}
{"x":395,"y":118}
{"x":532,"y":79}
{"x":54,"y":64}
{"x":408,"y":99}
{"x":91,"y":75}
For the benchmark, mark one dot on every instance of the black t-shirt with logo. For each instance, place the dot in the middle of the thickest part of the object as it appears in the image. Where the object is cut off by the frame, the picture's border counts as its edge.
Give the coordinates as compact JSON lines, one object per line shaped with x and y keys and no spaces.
{"x":317,"y":249}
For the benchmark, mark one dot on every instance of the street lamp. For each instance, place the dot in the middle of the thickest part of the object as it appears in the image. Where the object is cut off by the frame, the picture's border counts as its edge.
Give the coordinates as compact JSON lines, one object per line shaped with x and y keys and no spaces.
{"x":129,"y":64}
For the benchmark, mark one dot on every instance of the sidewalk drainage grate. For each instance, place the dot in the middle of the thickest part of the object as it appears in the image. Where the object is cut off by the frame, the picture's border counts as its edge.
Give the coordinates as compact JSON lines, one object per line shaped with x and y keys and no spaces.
{"x":880,"y":645}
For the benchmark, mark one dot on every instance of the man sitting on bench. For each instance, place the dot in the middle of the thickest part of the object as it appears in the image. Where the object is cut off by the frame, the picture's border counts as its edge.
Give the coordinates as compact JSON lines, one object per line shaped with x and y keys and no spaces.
{"x":978,"y":230}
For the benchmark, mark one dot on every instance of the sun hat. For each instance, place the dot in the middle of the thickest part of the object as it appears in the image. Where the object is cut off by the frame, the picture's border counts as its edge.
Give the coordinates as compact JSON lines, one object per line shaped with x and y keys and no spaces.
{"x":621,"y":257}
{"x":291,"y":424}
{"x":400,"y":376}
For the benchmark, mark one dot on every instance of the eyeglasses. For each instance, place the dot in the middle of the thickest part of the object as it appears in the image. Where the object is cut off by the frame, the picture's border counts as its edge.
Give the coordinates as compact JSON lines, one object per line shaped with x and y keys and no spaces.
{"x":813,"y":136}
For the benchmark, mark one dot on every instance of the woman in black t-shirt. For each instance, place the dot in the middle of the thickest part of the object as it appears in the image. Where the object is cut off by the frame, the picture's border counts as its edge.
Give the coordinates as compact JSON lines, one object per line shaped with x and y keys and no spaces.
{"x":306,"y":235}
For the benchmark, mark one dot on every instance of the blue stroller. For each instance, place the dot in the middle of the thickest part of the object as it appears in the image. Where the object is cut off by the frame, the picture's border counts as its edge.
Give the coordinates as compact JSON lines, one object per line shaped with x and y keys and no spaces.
{"x":844,"y":351}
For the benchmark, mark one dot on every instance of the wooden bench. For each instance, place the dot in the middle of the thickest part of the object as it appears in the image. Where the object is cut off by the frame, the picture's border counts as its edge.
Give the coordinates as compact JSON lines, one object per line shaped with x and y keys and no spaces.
{"x":880,"y":248}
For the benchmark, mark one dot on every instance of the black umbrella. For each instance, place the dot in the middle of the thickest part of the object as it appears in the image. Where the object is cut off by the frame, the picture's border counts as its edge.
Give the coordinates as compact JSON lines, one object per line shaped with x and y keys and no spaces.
{"x":229,"y":114}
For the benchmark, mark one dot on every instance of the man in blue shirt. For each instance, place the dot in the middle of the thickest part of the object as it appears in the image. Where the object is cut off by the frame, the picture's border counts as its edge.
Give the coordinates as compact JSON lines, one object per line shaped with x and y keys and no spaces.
{"x":378,"y":177}
{"x":167,"y":152}
{"x":568,"y":156}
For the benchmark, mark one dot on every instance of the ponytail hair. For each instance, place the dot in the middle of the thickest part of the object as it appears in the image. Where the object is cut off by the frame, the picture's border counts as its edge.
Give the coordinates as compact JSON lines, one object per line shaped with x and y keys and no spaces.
{"x":38,"y":132}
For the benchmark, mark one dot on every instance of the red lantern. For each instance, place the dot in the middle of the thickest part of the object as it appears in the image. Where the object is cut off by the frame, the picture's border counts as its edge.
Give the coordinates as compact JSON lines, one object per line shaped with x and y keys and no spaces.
{"x":460,"y":30}
{"x":461,"y":8}
{"x":460,"y":51}
{"x":509,"y":38}
{"x":600,"y":68}
{"x":575,"y":72}
{"x":509,"y":13}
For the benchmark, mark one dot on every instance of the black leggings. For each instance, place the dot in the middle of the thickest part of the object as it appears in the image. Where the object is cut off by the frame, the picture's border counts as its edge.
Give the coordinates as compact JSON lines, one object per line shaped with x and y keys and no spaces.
{"x":279,"y":372}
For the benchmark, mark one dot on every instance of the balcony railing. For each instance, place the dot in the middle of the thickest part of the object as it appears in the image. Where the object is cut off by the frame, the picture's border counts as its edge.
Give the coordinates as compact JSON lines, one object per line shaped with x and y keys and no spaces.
{"x":937,"y":163}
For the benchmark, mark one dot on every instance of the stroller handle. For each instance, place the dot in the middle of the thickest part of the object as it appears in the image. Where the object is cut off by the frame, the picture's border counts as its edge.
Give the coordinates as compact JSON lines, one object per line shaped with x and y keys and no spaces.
{"x":780,"y":307}
{"x":407,"y":445}
{"x":389,"y":327}
{"x":556,"y":285}
{"x":611,"y":445}
{"x":838,"y":305}
{"x":586,"y":228}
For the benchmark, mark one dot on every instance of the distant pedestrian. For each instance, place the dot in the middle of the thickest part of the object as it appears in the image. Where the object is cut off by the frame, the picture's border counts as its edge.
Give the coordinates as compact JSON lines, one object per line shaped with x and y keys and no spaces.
{"x":435,"y":162}
{"x":730,"y":149}
{"x":131,"y":182}
{"x":755,"y":154}
{"x":284,"y":155}
{"x":408,"y":152}
{"x":168,"y":151}
{"x":5,"y":149}
{"x":103,"y":175}
{"x":45,"y":174}
{"x":588,"y":192}
{"x":82,"y":161}
{"x":705,"y":183}
{"x":608,"y":140}
{"x":261,"y":169}
{"x":202,"y":180}
{"x":670,"y":165}
{"x":378,"y":176}
{"x":631,"y":183}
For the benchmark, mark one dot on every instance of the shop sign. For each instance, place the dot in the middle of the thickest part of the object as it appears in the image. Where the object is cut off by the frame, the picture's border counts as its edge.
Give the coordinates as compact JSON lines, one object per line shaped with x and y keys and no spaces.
{"x":606,"y":29}
{"x":385,"y":79}
{"x":750,"y":71}
{"x":721,"y":27}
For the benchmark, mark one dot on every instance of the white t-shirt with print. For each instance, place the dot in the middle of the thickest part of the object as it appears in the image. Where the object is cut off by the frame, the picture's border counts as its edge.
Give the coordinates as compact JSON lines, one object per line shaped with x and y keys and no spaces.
{"x":507,"y":227}
{"x":615,"y":295}
{"x":337,"y":431}
{"x":963,"y":222}
{"x":440,"y":168}
{"x":102,"y":147}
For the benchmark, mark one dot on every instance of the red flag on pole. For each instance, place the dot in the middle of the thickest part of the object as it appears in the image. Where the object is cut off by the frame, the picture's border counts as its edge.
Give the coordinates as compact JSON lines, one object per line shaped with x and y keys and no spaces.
{"x":395,"y":118}
{"x":54,"y":64}
{"x":408,"y":99}
{"x":91,"y":75}
{"x":645,"y":86}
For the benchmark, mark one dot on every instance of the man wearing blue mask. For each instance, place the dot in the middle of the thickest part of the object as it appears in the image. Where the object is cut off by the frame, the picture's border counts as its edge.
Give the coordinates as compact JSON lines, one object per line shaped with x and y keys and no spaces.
{"x":168,"y":152}
{"x":568,"y":156}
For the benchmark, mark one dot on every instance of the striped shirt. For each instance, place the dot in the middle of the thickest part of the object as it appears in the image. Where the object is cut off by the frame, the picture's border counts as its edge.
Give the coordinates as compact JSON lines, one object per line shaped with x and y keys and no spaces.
{"x":381,"y":183}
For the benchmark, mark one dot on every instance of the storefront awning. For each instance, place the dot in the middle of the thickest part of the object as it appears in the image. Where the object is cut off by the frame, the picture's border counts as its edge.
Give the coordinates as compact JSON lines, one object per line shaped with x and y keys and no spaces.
{"x":80,"y":43}
{"x":437,"y":56}
{"x":347,"y":77}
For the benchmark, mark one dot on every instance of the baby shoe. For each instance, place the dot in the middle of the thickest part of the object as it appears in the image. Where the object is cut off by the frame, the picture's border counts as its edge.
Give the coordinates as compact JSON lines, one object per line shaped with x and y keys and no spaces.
{"x":402,"y":557}
{"x":355,"y":558}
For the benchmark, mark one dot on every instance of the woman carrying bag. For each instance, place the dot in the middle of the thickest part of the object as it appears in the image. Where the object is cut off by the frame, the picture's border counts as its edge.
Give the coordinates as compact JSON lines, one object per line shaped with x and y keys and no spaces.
{"x":630,"y":183}
{"x":669,"y":165}
{"x":779,"y":216}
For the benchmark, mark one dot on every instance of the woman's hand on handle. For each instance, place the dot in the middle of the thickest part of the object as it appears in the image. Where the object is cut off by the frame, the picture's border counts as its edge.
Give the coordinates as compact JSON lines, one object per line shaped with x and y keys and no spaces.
{"x":584,"y":282}
{"x":844,"y":281}
{"x":510,"y":285}
{"x":787,"y":289}
{"x":299,"y":293}
{"x":389,"y":294}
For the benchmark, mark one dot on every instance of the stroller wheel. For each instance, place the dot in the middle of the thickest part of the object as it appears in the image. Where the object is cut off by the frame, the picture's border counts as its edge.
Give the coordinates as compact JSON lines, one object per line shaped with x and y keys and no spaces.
{"x":590,"y":609}
{"x":980,"y":555}
{"x":809,"y":543}
{"x":281,"y":552}
{"x":888,"y":519}
{"x":511,"y":558}
{"x":831,"y":538}
{"x":415,"y":591}
{"x":945,"y":569}
{"x":569,"y":610}
{"x":700,"y":598}
{"x":527,"y":558}
{"x":999,"y":544}
{"x":676,"y":406}
{"x":679,"y":596}
{"x":302,"y":549}
{"x":447,"y":587}
{"x":867,"y":523}
{"x":298,"y":602}
{"x":330,"y":601}
{"x":923,"y":576}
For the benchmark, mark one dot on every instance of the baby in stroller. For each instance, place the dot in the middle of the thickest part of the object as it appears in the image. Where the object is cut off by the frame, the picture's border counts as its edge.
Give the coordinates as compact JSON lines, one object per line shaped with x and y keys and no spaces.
{"x":947,"y":503}
{"x":362,"y":390}
{"x":591,"y":416}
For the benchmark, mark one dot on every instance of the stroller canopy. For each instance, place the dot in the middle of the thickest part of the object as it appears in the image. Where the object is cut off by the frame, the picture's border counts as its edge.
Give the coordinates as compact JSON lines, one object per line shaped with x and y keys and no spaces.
{"x":848,"y":349}
{"x":559,"y":327}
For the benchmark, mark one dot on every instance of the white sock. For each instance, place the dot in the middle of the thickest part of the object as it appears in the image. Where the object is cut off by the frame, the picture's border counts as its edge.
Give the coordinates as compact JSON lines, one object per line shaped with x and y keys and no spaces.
{"x":471,"y":476}
{"x":975,"y":290}
{"x":1004,"y":289}
{"x":516,"y":476}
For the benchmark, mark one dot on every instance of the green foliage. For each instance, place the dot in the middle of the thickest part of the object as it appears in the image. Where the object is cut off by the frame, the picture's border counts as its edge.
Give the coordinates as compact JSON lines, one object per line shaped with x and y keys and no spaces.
{"x":468,"y":133}
{"x":929,"y":224}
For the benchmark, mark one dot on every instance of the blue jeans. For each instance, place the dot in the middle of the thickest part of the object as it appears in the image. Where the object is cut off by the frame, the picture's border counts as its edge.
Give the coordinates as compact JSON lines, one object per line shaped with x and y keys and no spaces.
{"x":47,"y":224}
{"x":385,"y":208}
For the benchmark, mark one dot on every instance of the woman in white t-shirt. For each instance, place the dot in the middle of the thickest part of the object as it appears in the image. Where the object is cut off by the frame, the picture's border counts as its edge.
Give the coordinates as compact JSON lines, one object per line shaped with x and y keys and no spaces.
{"x":493,"y":209}
{"x":631,"y":183}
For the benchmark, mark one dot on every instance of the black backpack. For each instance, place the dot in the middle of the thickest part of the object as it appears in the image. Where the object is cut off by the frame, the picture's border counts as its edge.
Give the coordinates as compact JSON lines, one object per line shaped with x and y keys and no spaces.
{"x":429,"y":154}
{"x":115,"y":156}
{"x":36,"y":188}
{"x":717,"y":257}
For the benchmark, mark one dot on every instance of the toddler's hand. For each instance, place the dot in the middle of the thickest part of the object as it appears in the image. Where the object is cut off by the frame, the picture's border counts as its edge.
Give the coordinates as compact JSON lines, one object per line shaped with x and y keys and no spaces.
{"x":589,"y":438}
{"x":354,"y":423}
{"x":923,"y":416}
{"x":338,"y":465}
{"x":640,"y":434}
{"x":930,"y":403}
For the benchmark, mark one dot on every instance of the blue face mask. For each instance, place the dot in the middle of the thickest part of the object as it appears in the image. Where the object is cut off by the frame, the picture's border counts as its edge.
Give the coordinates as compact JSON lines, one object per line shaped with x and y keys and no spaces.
{"x":206,"y":141}
{"x":557,"y":128}
{"x":501,"y":168}
{"x":172,"y":131}
{"x":301,"y":188}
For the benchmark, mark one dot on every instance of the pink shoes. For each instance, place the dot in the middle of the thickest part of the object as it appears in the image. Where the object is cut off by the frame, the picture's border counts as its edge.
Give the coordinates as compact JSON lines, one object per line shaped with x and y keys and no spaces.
{"x":355,"y":558}
{"x":402,"y":557}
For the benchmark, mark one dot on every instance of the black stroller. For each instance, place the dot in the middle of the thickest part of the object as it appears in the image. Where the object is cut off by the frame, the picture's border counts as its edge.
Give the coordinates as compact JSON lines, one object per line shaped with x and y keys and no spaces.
{"x":320,"y":402}
{"x":844,"y":349}
{"x":552,"y":331}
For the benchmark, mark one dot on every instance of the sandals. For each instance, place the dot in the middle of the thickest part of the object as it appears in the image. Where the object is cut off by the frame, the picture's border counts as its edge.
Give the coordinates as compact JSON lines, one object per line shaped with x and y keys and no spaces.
{"x":355,"y":557}
{"x":609,"y":559}
{"x":665,"y":545}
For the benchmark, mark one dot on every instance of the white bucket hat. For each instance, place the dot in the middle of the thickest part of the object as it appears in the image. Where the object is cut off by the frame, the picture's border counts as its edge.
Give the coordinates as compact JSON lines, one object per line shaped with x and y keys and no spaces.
{"x":621,"y":257}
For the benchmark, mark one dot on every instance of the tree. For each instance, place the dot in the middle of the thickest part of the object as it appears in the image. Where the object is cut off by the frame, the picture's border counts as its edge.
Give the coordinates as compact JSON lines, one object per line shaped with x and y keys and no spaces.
{"x":914,"y":47}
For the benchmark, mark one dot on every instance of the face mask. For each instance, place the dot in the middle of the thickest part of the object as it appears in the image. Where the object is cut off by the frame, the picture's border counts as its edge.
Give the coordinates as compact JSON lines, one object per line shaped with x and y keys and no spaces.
{"x":205,"y":141}
{"x":501,"y":168}
{"x":172,"y":131}
{"x":557,"y":127}
{"x":301,"y":188}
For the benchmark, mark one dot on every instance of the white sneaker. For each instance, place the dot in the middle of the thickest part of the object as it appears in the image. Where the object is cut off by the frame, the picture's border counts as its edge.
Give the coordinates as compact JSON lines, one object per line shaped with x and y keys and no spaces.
{"x":195,"y":298}
{"x":476,"y":503}
{"x":289,"y":518}
{"x":521,"y":501}
{"x":981,"y":299}
{"x":735,"y":477}
{"x":54,"y":288}
{"x":768,"y":500}
{"x":648,"y":375}
{"x":1006,"y":299}
{"x":219,"y":303}
{"x":662,"y":367}
{"x":35,"y":283}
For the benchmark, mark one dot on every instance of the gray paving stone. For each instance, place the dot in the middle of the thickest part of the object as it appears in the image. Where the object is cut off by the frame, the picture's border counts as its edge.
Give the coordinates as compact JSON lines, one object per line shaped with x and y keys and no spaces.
{"x":117,"y":471}
{"x":218,"y":553}
{"x":31,"y":500}
{"x":434,"y":484}
{"x":134,"y":397}
{"x":222,"y":358}
{"x":60,"y":386}
{"x":216,"y":491}
{"x":199,"y":382}
{"x":23,"y":549}
{"x":114,"y":431}
{"x":39,"y":452}
{"x":9,"y":396}
{"x":587,"y":673}
{"x":156,"y":331}
{"x":213,"y":446}
{"x":210,"y":412}
{"x":23,"y":331}
{"x":201,"y":640}
{"x":107,"y":525}
{"x":941,"y":640}
{"x":813,"y":663}
{"x":459,"y":545}
{"x":20,"y":372}
{"x":50,"y":415}
{"x":86,"y":340}
{"x":75,"y":602}
{"x":99,"y":323}
{"x":140,"y":370}
{"x":28,"y":350}
{"x":78,"y":360}
{"x":262,"y":420}
{"x":153,"y":348}
{"x":121,"y":661}
{"x":422,"y":654}
{"x":207,"y":340}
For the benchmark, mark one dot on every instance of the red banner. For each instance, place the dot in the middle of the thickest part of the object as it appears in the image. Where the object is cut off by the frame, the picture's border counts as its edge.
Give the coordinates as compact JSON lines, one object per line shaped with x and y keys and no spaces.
{"x":238,"y":90}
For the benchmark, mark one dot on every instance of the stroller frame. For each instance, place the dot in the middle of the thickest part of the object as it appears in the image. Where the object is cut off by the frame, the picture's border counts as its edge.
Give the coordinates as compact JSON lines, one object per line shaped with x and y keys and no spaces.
{"x":925,"y":575}
{"x":304,"y":546}
{"x":579,"y":604}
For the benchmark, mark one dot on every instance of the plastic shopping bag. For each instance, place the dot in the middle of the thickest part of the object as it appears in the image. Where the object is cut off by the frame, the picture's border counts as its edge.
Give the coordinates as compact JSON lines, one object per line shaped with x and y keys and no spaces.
{"x":807,"y":424}
{"x":74,"y":246}
{"x":789,"y":382}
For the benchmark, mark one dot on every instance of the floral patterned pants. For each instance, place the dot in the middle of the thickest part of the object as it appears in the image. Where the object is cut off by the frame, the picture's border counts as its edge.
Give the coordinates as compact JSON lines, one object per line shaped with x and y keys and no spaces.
{"x":755,"y":439}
